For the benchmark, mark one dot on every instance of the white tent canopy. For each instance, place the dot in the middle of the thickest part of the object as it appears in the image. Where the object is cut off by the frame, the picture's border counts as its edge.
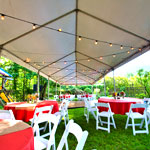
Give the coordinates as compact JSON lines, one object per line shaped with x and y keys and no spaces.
{"x":111,"y":33}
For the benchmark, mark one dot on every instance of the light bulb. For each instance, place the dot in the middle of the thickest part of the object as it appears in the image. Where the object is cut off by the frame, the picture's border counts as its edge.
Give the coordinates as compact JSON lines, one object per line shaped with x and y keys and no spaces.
{"x":132,"y":48}
{"x":2,"y":16}
{"x":110,"y":44}
{"x":140,"y":49}
{"x":34,"y":26}
{"x":101,"y":58}
{"x":114,"y":55}
{"x":59,"y":30}
{"x":128,"y":52}
{"x":96,"y":42}
{"x":80,"y":38}
{"x":121,"y":47}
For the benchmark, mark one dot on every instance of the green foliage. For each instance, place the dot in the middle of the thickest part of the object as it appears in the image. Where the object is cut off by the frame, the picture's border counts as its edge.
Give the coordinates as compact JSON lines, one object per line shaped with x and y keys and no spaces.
{"x":88,"y":90}
{"x":144,"y":79}
{"x":75,"y":99}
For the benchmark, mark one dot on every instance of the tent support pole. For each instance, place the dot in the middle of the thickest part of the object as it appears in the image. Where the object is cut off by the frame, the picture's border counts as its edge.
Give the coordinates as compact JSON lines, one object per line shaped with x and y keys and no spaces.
{"x":56,"y":89}
{"x":104,"y":86}
{"x":48,"y":88}
{"x":38,"y":85}
{"x":114,"y":81}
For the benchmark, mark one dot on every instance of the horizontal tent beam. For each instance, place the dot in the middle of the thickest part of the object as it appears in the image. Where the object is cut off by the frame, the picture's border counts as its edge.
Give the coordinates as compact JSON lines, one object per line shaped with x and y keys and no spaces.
{"x":65,"y":76}
{"x":56,"y":60}
{"x":86,"y":75}
{"x":94,"y":59}
{"x":83,"y":80}
{"x":88,"y":67}
{"x":62,"y":69}
{"x":115,"y":26}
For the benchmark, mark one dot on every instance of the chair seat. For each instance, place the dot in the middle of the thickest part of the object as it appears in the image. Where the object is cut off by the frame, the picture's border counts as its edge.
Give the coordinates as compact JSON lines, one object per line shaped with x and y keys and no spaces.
{"x":40,"y":143}
{"x":135,"y":115}
{"x":105,"y":113}
{"x":92,"y":109}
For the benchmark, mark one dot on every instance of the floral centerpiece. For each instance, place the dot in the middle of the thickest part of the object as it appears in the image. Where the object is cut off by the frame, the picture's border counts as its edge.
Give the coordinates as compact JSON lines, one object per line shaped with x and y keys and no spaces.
{"x":122,"y":94}
{"x":32,"y":98}
{"x":114,"y":95}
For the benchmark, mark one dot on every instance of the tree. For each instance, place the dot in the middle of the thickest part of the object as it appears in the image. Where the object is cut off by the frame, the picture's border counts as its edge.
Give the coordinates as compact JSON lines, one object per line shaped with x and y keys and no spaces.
{"x":144,"y":79}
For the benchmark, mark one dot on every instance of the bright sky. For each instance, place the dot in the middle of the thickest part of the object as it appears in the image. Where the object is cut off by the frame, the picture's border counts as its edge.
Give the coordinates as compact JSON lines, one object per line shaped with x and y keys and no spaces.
{"x":133,"y":66}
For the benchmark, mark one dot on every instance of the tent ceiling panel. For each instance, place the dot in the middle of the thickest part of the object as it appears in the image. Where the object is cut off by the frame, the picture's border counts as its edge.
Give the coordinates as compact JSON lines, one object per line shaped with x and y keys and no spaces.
{"x":124,"y":23}
{"x":130,"y":15}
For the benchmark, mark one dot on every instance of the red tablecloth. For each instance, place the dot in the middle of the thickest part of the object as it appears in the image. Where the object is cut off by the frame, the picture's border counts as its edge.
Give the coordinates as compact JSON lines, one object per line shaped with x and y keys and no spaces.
{"x":25,"y":113}
{"x":22,"y":139}
{"x":120,"y":106}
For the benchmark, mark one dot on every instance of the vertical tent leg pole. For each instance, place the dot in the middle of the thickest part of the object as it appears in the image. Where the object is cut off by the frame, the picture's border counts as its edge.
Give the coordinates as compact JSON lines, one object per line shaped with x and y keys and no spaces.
{"x":56,"y":88}
{"x":48,"y":88}
{"x":60,"y":90}
{"x":104,"y":86}
{"x":38,"y":85}
{"x":114,"y":81}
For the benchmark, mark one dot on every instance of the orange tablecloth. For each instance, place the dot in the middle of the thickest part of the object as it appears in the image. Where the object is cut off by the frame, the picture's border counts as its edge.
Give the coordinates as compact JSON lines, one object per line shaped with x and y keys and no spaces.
{"x":16,"y":135}
{"x":24,"y":111}
{"x":120,"y":106}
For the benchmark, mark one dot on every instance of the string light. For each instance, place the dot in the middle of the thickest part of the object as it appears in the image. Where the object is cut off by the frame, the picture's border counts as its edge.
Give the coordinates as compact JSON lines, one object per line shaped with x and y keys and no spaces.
{"x":132,"y":48}
{"x":54,"y":63}
{"x":34,"y":26}
{"x":2,"y":16}
{"x":128,"y":52}
{"x":80,"y":38}
{"x":76,"y":61}
{"x":59,"y":30}
{"x":140,"y":49}
{"x":101,"y":58}
{"x":114,"y":55}
{"x":96,"y":42}
{"x":65,"y":62}
{"x":43,"y":62}
{"x":121,"y":47}
{"x":88,"y":60}
{"x":27,"y":60}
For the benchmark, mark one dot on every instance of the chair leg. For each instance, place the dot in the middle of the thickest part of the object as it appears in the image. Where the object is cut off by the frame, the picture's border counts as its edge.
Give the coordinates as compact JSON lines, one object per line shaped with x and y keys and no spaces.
{"x":100,"y":121}
{"x":108,"y":124}
{"x":133,"y":127}
{"x":146,"y":125}
{"x":142,"y":122}
{"x":97,"y":122}
{"x":127,"y":122}
{"x":113,"y":122}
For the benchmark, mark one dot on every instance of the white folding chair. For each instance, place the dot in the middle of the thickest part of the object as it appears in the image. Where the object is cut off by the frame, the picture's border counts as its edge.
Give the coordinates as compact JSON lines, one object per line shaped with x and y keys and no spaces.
{"x":76,"y":130}
{"x":63,"y":111}
{"x":137,"y":115}
{"x":88,"y":108}
{"x":41,"y":111}
{"x":109,"y":114}
{"x":7,"y":114}
{"x":40,"y":142}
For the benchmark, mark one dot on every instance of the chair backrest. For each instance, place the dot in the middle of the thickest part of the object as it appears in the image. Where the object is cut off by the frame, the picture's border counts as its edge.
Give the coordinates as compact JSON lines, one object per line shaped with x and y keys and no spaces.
{"x":7,"y":114}
{"x":106,"y":105}
{"x":87,"y":104}
{"x":76,"y":130}
{"x":138,"y":106}
{"x":41,"y":110}
{"x":62,"y":104}
{"x":51,"y":119}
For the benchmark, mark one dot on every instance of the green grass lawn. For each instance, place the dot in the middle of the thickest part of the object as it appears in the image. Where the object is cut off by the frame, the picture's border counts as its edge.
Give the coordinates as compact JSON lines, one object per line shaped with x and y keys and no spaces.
{"x":117,"y":139}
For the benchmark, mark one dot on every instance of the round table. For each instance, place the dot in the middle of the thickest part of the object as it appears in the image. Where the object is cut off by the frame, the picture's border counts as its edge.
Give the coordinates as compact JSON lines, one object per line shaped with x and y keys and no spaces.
{"x":120,"y":106}
{"x":15,"y":135}
{"x":25,"y":111}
